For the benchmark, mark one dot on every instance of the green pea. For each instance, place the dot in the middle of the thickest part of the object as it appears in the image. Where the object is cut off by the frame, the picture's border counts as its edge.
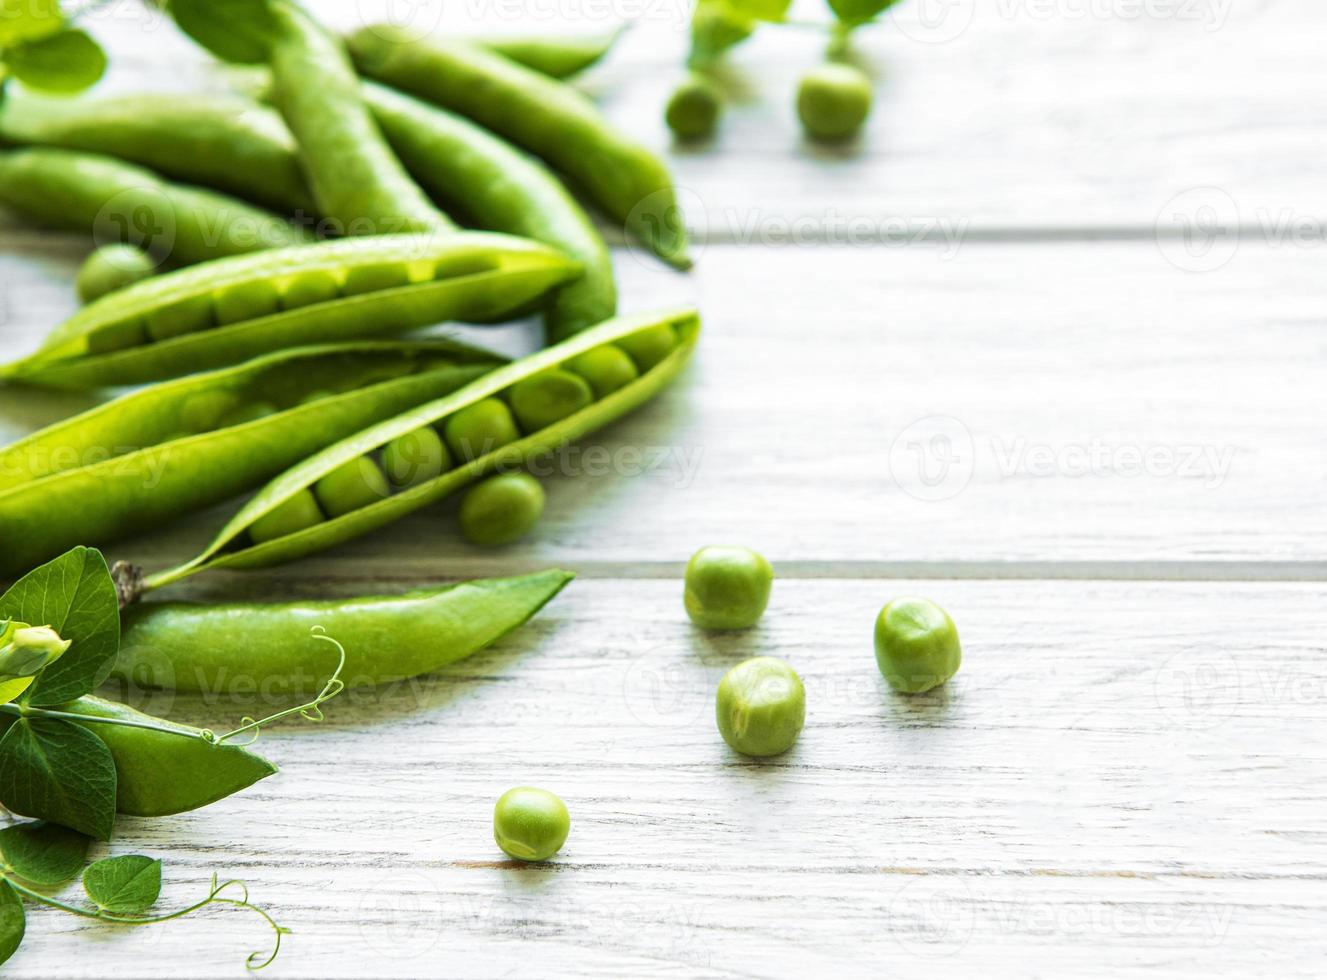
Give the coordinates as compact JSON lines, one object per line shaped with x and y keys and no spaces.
{"x":916,"y":645}
{"x":112,"y":267}
{"x":530,"y":824}
{"x":478,"y":429}
{"x":760,"y":707}
{"x":295,"y":514}
{"x":245,"y":301}
{"x":650,"y":346}
{"x":549,"y":397}
{"x":313,"y":286}
{"x":833,"y":101}
{"x":727,"y":588}
{"x":374,"y":278}
{"x":693,"y":109}
{"x":607,"y":368}
{"x":501,"y":509}
{"x":352,"y":485}
{"x":247,"y":412}
{"x":178,"y":319}
{"x":416,"y":457}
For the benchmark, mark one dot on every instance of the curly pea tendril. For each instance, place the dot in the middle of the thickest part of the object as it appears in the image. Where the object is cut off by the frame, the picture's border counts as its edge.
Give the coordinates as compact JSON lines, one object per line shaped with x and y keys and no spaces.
{"x":239,"y":891}
{"x":216,"y":896}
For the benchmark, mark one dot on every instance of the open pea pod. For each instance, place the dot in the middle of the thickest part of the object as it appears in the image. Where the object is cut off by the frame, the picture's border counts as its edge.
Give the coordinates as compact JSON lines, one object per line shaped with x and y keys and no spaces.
{"x":232,"y":309}
{"x":660,"y":344}
{"x":156,"y":453}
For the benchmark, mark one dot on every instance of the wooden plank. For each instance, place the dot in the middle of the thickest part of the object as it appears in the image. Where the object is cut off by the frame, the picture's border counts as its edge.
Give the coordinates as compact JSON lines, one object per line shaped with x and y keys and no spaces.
{"x":1098,"y":404}
{"x":1119,"y":779}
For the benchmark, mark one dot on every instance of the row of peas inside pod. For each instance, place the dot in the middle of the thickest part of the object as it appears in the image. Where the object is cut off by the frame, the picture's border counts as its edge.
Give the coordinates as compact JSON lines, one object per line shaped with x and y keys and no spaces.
{"x":502,"y":508}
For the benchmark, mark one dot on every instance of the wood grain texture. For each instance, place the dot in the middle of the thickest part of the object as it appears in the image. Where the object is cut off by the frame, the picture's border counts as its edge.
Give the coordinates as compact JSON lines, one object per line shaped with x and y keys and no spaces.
{"x":1120,"y":781}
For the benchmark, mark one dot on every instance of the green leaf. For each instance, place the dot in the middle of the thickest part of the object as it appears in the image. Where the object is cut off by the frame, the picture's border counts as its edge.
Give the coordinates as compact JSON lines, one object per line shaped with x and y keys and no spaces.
{"x":124,"y":885}
{"x":856,"y":12}
{"x":715,"y":27}
{"x":75,"y":596}
{"x":234,"y":30}
{"x":60,"y":772}
{"x":66,"y":62}
{"x":44,"y":853}
{"x":11,"y":921}
{"x":27,"y":20}
{"x":771,"y":10}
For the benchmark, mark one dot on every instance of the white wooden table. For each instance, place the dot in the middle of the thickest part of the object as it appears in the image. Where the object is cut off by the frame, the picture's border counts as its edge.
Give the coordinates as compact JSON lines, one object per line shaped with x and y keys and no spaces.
{"x":1048,"y":347}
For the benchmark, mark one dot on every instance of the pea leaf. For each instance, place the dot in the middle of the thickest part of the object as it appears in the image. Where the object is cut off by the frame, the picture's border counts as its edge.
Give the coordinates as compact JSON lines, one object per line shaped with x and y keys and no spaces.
{"x":772,"y":10}
{"x":124,"y":885}
{"x":716,"y":26}
{"x":27,"y":20}
{"x":60,"y":772}
{"x":75,"y":596}
{"x":66,"y":62}
{"x":234,"y":30}
{"x":12,"y":922}
{"x":855,"y":12}
{"x":44,"y":853}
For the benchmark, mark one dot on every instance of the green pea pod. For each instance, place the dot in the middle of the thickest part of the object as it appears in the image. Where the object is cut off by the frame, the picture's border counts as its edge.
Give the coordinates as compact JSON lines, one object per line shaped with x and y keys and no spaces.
{"x":226,"y":311}
{"x":504,"y":190}
{"x":355,"y":178}
{"x":119,"y":202}
{"x":224,"y":142}
{"x":556,"y":57}
{"x":158,"y":774}
{"x":239,"y":649}
{"x":550,"y":119}
{"x":146,"y":458}
{"x":233,"y":548}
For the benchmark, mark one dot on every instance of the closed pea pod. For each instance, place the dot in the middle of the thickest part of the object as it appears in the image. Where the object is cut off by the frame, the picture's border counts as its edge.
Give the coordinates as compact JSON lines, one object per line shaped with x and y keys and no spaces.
{"x":199,"y":648}
{"x":548,"y":118}
{"x":354,"y":176}
{"x":556,"y":57}
{"x":157,"y":453}
{"x":119,"y":202}
{"x":501,"y":189}
{"x":233,"y":548}
{"x":167,"y":325}
{"x":162,"y":773}
{"x":224,"y":142}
